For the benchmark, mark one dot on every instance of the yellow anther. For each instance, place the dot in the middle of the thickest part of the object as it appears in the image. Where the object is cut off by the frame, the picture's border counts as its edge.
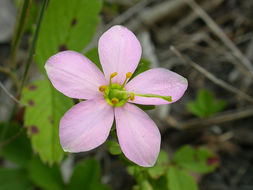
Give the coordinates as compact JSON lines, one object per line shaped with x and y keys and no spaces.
{"x":102,"y":88}
{"x":113,"y":75}
{"x":115,"y":101}
{"x":128,"y":75}
{"x":131,"y":97}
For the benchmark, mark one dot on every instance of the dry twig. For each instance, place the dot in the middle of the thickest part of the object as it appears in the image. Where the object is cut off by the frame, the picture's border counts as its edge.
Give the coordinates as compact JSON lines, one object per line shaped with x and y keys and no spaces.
{"x":213,"y":78}
{"x":222,"y":36}
{"x":213,"y":120}
{"x":10,"y":95}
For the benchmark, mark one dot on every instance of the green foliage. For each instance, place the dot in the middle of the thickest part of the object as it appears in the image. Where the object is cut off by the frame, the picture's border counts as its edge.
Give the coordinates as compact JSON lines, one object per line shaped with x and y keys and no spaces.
{"x":173,"y":175}
{"x":14,"y":179}
{"x":66,"y":25}
{"x":17,"y":148}
{"x":180,"y":180}
{"x":205,"y":104}
{"x":86,"y":176}
{"x":42,"y":116}
{"x":44,"y":176}
{"x":145,"y":107}
{"x":194,"y":159}
{"x":113,"y":147}
{"x":143,"y":65}
{"x":160,"y":167}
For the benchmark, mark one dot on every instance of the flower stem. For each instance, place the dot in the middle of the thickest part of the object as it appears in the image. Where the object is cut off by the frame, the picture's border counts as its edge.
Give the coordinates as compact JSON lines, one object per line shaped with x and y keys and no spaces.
{"x":32,"y":48}
{"x":19,"y":29}
{"x":11,"y":75}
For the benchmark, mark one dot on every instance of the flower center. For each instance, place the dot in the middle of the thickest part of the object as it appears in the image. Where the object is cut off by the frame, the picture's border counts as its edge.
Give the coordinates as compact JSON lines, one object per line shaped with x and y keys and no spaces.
{"x":116,"y":95}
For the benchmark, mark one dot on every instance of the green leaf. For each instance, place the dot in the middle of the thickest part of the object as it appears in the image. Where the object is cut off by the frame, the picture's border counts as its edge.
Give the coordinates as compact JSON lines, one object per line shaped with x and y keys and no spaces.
{"x":66,"y":25}
{"x":205,"y":104}
{"x":42,"y":116}
{"x":14,"y":179}
{"x":113,"y":147}
{"x":145,"y":185}
{"x":180,"y":180}
{"x":196,"y":160}
{"x":144,"y":65}
{"x":160,"y":183}
{"x":18,"y":149}
{"x":86,"y":176}
{"x":195,"y":109}
{"x":46,"y":177}
{"x":145,"y":107}
{"x":160,"y":167}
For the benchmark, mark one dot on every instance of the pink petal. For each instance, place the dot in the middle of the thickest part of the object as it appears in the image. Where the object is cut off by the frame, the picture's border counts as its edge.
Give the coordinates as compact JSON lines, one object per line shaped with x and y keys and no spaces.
{"x":138,"y":135}
{"x":119,"y":51}
{"x":75,"y":75}
{"x":160,"y":82}
{"x":86,"y":125}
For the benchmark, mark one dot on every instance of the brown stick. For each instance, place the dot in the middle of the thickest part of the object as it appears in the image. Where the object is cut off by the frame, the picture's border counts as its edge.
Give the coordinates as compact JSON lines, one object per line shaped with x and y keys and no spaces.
{"x":216,"y":119}
{"x":222,"y":36}
{"x":211,"y":77}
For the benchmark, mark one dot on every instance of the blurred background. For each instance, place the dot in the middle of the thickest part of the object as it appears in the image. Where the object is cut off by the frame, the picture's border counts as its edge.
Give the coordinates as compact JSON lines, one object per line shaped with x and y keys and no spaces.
{"x":209,"y":42}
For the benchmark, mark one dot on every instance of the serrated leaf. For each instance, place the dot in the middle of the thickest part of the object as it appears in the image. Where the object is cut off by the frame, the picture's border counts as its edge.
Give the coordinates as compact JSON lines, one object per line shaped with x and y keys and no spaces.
{"x":18,"y":149}
{"x":113,"y":147}
{"x":219,"y":106}
{"x":42,"y":116}
{"x":66,"y":25}
{"x":194,"y":159}
{"x":205,"y":104}
{"x":11,"y":179}
{"x":180,"y":180}
{"x":160,"y":167}
{"x":45,"y":176}
{"x":195,"y":109}
{"x":86,"y":175}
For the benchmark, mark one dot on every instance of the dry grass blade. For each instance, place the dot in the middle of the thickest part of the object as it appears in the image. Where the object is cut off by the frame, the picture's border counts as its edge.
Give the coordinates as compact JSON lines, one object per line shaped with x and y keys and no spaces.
{"x":222,"y":36}
{"x":213,"y":78}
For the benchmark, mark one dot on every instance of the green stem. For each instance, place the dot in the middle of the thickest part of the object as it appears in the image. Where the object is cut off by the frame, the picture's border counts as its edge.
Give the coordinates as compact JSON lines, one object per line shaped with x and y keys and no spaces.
{"x":28,"y":63}
{"x":32,"y":49}
{"x":19,"y":29}
{"x":11,"y":75}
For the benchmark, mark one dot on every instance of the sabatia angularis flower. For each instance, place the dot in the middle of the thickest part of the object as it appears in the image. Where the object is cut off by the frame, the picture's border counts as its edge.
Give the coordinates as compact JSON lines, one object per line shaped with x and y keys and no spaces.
{"x":87,"y":124}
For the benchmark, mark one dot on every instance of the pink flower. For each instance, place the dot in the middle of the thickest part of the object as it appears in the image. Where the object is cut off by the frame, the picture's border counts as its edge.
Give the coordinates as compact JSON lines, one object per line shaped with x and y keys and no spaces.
{"x":87,"y":124}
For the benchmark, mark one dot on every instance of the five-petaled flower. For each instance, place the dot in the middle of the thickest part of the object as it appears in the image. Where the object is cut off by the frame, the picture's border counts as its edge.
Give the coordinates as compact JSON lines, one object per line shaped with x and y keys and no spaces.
{"x":111,"y":95}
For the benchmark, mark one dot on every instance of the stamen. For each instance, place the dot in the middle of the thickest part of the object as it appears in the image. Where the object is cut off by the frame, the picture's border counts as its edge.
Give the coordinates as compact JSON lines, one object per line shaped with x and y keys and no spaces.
{"x":131,"y":97}
{"x":102,"y":88}
{"x":115,"y":101}
{"x":128,"y":76}
{"x":111,"y":76}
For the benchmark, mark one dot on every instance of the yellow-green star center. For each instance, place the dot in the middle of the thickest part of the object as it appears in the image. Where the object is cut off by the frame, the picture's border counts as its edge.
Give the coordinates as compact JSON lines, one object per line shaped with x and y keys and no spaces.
{"x":114,"y":95}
